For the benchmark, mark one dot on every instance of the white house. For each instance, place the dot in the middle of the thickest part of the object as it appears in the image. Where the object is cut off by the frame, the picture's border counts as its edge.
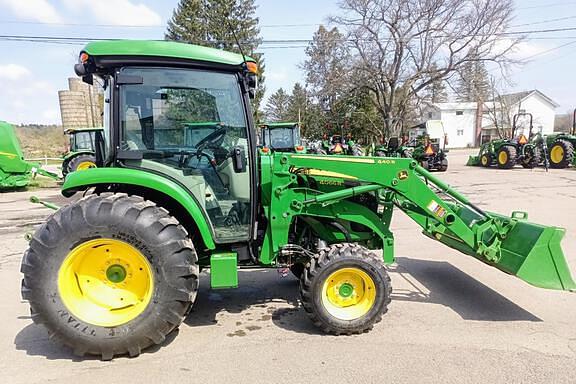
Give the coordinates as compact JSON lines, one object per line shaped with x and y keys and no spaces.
{"x":467,"y":126}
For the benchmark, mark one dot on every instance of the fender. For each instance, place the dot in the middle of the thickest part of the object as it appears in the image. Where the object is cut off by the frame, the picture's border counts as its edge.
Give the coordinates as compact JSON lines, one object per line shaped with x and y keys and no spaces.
{"x":77,"y":181}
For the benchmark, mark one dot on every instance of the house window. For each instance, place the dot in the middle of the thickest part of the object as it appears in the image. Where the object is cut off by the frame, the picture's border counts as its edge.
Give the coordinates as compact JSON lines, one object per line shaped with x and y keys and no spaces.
{"x":460,"y":132}
{"x":459,"y":113}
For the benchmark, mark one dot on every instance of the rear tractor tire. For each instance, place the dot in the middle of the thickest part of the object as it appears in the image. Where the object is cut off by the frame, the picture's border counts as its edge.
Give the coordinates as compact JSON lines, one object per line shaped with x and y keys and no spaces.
{"x":506,"y":157}
{"x":110,"y":275}
{"x":532,"y":158}
{"x":81,"y":163}
{"x":443,"y":165}
{"x":561,"y":154}
{"x":345,"y":289}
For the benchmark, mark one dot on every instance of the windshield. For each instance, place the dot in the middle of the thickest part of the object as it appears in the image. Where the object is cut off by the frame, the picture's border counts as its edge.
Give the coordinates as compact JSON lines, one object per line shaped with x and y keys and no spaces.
{"x":82,"y":141}
{"x":176,"y":108}
{"x":279,"y":138}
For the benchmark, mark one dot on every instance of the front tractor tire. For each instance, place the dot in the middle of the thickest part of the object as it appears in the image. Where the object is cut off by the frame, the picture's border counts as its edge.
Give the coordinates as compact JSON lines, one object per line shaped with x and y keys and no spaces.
{"x":345,"y":289}
{"x":561,"y":154}
{"x":506,"y":157}
{"x":110,"y":275}
{"x":81,"y":163}
{"x":486,"y":160}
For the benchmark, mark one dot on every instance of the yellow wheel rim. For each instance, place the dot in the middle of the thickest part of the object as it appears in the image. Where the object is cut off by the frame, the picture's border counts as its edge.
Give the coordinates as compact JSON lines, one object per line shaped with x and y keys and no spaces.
{"x":502,"y":157}
{"x":105,"y":282}
{"x":348,"y":293}
{"x":85,"y":165}
{"x":484,"y":160}
{"x":557,"y":154}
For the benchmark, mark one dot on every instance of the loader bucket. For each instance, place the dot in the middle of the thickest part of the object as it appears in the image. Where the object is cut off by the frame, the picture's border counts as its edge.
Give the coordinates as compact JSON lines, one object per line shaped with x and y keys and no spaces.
{"x":533,"y":253}
{"x":473,"y":161}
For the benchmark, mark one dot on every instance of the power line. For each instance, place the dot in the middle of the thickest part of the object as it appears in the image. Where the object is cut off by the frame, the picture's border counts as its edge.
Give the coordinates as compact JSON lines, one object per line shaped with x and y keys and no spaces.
{"x":545,"y":21}
{"x":548,"y":5}
{"x":293,"y":42}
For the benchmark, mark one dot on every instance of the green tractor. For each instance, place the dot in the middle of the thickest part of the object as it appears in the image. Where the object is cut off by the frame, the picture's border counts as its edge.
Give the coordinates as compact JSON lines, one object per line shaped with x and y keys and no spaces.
{"x":82,"y":152}
{"x":117,"y":270}
{"x":562,"y":145}
{"x":528,"y":151}
{"x":428,"y":145}
{"x":395,"y":147}
{"x":281,"y":137}
{"x":15,"y":172}
{"x":339,"y":145}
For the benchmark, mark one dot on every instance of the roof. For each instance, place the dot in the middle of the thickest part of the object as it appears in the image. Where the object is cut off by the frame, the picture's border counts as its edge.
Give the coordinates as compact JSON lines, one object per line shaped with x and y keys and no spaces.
{"x":518,"y":97}
{"x":278,"y":125}
{"x":162,"y":48}
{"x":70,"y":131}
{"x":451,"y":106}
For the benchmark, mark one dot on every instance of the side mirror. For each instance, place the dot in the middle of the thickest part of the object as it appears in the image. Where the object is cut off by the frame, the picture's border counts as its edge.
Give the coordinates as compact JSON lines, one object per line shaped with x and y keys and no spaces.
{"x":88,"y":79}
{"x":238,"y":160}
{"x":252,"y":84}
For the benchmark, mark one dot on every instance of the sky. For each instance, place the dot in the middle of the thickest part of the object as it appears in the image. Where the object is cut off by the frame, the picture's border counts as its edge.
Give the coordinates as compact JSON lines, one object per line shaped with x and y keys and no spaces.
{"x":31,"y":73}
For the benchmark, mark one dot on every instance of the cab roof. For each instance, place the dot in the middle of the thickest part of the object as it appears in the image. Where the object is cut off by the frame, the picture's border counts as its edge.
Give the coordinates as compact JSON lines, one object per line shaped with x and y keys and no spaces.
{"x":163,"y":49}
{"x":279,"y":125}
{"x":70,"y":131}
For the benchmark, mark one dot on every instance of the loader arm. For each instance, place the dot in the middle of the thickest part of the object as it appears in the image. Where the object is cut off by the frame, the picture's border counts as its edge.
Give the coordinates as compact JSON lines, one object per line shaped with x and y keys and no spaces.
{"x":529,"y":251}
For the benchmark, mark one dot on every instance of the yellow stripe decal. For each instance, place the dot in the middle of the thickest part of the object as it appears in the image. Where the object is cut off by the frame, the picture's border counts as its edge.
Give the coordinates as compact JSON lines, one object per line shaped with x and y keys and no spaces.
{"x":331,"y":158}
{"x":317,"y":172}
{"x":8,"y":154}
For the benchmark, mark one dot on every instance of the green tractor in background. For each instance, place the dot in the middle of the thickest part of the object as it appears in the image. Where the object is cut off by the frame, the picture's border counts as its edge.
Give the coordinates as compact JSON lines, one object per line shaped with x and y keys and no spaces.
{"x":395,"y":147}
{"x":562,"y":146}
{"x":281,"y":137}
{"x":117,"y":270}
{"x":528,"y":151}
{"x":339,"y":145}
{"x":82,"y":151}
{"x":15,"y":172}
{"x":428,"y":142}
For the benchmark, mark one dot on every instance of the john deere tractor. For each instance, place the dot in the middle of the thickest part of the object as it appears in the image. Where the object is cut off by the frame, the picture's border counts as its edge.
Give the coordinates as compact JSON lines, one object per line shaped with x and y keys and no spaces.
{"x":528,"y":151}
{"x":394,"y":147}
{"x":339,"y":145}
{"x":427,"y":145}
{"x":117,"y":270}
{"x":562,"y":147}
{"x":281,"y":137}
{"x":81,"y":153}
{"x":15,"y":172}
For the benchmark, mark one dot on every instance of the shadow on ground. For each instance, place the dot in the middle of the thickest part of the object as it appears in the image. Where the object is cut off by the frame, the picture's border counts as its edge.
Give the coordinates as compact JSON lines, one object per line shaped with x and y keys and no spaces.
{"x":263,"y":296}
{"x":462,"y":293}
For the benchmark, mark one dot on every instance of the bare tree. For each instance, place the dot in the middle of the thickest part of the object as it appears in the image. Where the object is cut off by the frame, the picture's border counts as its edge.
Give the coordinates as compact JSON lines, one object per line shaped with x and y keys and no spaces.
{"x":403,"y":46}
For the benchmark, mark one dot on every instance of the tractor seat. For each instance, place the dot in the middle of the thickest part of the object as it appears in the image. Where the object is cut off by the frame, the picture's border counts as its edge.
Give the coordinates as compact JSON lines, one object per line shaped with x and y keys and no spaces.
{"x":393,"y":143}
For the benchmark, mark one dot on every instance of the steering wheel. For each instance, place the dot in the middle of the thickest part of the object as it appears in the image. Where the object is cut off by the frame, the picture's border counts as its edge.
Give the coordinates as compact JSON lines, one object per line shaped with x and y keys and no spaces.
{"x":212,"y":138}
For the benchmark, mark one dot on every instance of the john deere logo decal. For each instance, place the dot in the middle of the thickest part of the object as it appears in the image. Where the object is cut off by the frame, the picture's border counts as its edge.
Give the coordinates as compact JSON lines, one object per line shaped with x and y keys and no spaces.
{"x":402,"y":175}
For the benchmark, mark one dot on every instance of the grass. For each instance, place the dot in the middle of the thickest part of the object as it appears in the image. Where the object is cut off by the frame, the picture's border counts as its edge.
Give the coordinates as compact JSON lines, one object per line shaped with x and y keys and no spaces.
{"x":39,"y":141}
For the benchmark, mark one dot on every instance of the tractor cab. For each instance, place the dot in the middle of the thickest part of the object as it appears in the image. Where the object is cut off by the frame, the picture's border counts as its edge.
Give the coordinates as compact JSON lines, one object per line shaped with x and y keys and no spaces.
{"x":281,"y":137}
{"x":182,"y":121}
{"x":81,"y":154}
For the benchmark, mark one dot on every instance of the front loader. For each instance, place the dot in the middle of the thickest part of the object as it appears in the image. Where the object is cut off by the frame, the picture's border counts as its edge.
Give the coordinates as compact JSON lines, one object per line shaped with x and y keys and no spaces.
{"x":117,"y":270}
{"x":15,"y":171}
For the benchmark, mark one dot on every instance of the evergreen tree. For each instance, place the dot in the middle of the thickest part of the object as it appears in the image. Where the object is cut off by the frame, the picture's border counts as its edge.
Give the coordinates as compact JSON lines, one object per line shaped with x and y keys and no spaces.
{"x":474,"y":83}
{"x":296,"y":110}
{"x":217,"y":24}
{"x":277,"y":106}
{"x":436,"y":91}
{"x":327,"y":66}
